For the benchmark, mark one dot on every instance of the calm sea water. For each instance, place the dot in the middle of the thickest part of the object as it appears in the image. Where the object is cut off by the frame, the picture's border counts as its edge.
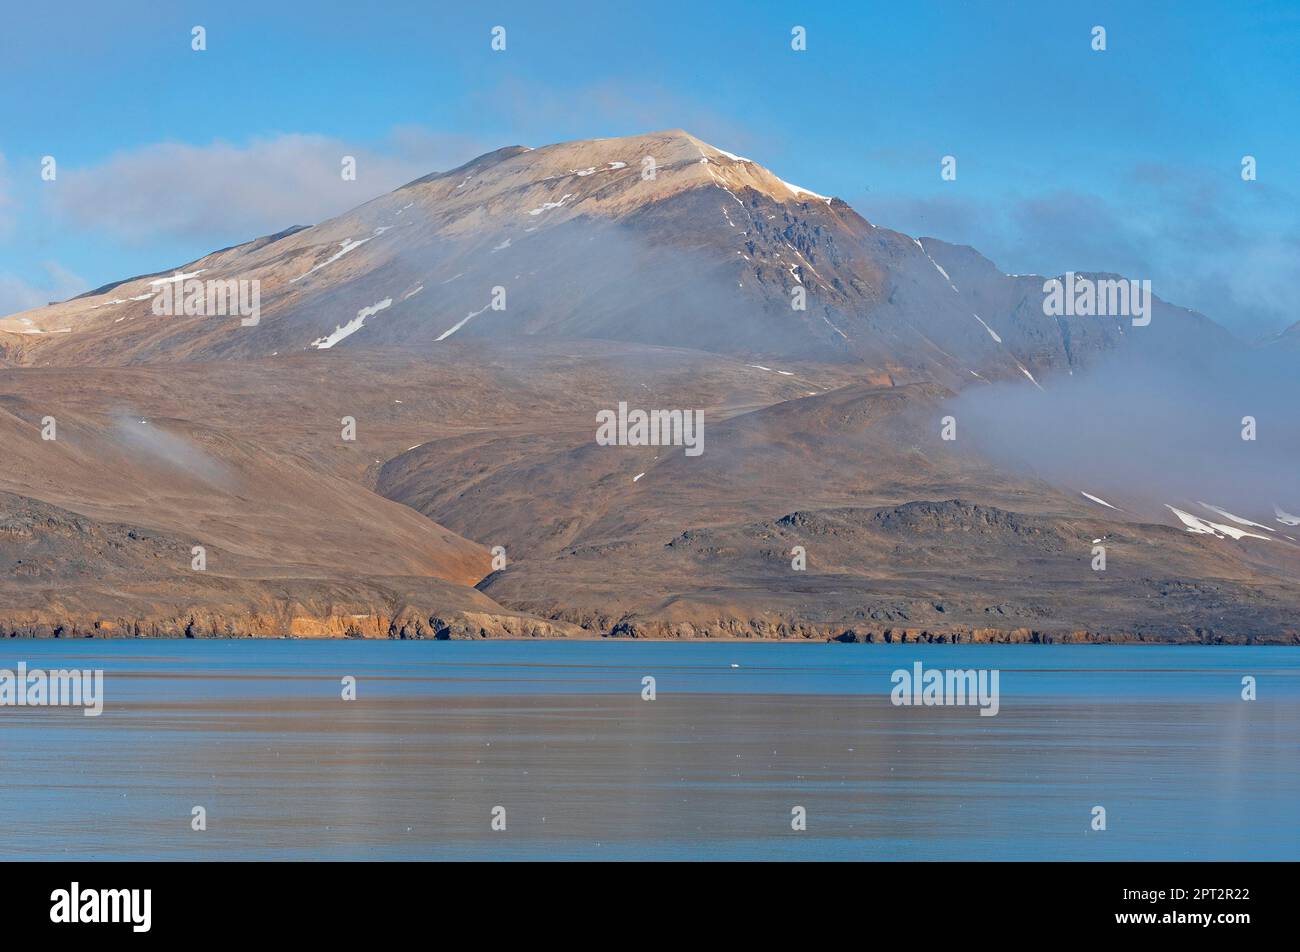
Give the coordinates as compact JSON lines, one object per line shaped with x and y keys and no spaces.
{"x":257,"y":733}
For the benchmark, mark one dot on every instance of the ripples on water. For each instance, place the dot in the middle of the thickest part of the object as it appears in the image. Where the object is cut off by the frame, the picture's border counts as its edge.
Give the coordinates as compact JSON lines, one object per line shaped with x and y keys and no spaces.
{"x":441,"y":732}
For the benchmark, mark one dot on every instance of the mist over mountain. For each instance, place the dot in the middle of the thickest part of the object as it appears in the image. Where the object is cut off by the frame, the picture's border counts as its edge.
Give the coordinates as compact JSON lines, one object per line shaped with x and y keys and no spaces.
{"x":472,"y":324}
{"x":660,"y":239}
{"x":1158,"y":431}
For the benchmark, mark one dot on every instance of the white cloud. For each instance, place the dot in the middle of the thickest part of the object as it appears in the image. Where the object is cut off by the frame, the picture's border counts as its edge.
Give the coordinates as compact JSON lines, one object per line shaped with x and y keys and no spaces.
{"x":59,"y":284}
{"x":1202,"y":245}
{"x":225,"y":193}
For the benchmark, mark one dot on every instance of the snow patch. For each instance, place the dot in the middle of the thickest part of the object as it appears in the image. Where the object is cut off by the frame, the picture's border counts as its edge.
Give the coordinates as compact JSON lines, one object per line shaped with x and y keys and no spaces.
{"x":992,"y":332}
{"x":834,"y":328}
{"x":1029,"y":375}
{"x":1199,"y":526}
{"x":803,"y":191}
{"x":1099,"y":500}
{"x":351,"y":327}
{"x":1284,"y":517}
{"x":462,"y":322}
{"x":344,"y":247}
{"x":1237,"y":519}
{"x":733,"y":156}
{"x":178,"y":276}
{"x":547,"y":206}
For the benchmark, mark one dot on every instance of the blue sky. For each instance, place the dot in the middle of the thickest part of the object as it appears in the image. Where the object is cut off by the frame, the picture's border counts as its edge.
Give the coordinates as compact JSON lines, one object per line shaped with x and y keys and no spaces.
{"x":1125,"y":160}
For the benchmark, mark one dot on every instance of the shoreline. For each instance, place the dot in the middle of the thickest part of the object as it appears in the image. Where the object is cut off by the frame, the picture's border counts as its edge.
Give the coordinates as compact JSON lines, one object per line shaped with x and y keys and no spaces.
{"x":888,"y":637}
{"x":404,"y":621}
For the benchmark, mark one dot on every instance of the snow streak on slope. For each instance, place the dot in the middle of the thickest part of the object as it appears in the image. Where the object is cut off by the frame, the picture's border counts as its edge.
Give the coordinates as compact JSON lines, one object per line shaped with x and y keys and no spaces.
{"x":1284,"y":517}
{"x":1237,"y":519}
{"x":992,"y":332}
{"x":547,"y":206}
{"x":803,"y":191}
{"x":344,"y":247}
{"x":1029,"y":375}
{"x":1204,"y":527}
{"x":351,"y":327}
{"x":174,"y":279}
{"x":462,"y":322}
{"x":1098,"y":500}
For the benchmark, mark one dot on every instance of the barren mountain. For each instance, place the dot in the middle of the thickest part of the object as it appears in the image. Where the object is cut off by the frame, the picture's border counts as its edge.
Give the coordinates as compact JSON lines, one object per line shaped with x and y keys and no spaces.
{"x":474,"y":322}
{"x":659,"y":239}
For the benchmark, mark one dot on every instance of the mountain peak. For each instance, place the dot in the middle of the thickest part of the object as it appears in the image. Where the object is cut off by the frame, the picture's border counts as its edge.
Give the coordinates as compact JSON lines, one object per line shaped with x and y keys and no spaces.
{"x":659,"y":238}
{"x":693,"y":161}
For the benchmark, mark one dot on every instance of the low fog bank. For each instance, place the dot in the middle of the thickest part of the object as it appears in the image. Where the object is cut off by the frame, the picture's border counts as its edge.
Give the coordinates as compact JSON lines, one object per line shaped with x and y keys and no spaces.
{"x":1158,"y":431}
{"x":145,"y":439}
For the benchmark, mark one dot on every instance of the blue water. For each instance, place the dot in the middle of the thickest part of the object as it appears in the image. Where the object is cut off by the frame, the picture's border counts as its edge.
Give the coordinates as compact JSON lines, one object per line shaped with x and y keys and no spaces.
{"x":557,"y":733}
